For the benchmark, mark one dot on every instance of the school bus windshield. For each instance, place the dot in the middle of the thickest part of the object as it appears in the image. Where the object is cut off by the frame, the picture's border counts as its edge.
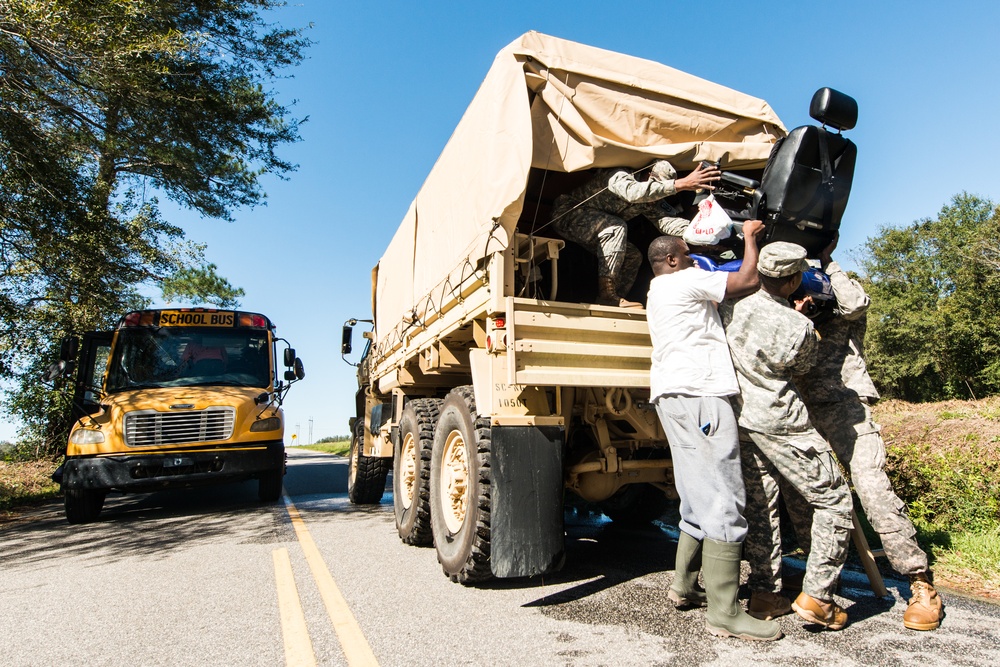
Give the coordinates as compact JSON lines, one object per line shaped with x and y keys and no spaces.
{"x":148,"y":358}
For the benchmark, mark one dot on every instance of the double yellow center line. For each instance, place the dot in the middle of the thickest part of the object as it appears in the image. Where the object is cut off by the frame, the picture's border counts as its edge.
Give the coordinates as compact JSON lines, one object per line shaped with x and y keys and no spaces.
{"x":298,"y":648}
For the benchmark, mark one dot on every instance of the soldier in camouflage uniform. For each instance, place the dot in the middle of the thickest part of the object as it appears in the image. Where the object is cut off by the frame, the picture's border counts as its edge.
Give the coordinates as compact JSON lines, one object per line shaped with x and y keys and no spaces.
{"x":769,"y":342}
{"x":596,"y":216}
{"x":839,"y":394}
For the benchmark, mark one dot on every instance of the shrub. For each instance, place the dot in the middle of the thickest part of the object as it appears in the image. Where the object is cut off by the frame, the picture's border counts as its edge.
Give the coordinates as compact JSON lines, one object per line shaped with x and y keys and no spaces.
{"x":953,"y":488}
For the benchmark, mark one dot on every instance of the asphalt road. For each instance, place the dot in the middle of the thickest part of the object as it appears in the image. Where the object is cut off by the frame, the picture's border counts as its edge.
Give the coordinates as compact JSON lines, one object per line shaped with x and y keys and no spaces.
{"x":212,"y":577}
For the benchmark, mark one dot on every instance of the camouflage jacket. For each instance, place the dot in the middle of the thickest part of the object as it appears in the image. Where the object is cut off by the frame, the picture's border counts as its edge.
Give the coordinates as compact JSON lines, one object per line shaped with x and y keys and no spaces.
{"x":769,"y":342}
{"x":840,"y":372}
{"x":617,"y":192}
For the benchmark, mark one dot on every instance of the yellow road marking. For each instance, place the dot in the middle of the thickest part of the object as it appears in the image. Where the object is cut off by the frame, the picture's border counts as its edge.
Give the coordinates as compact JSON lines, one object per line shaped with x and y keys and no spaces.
{"x":298,"y":648}
{"x":352,"y":640}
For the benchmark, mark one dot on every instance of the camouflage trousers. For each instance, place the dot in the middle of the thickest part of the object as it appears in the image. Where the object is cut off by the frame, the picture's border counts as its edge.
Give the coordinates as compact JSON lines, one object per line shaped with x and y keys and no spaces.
{"x":805,"y":462}
{"x":605,"y":236}
{"x":857,"y":441}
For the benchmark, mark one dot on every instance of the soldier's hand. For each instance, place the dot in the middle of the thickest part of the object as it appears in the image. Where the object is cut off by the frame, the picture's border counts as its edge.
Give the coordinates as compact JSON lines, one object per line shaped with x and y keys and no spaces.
{"x":805,"y":305}
{"x":826,"y":256}
{"x":701,"y":178}
{"x":752,"y":228}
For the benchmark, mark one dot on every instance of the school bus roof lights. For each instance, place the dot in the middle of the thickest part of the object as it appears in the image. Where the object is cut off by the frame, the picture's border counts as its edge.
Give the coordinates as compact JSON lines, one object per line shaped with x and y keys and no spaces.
{"x":190,"y":317}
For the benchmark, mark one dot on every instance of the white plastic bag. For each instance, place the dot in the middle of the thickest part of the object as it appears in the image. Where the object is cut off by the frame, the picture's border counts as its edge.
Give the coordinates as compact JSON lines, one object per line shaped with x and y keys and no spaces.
{"x":710,"y":225}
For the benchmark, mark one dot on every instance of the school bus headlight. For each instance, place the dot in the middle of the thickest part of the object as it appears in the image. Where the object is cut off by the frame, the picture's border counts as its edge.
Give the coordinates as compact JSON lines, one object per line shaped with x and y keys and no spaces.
{"x":86,"y":436}
{"x":269,"y":424}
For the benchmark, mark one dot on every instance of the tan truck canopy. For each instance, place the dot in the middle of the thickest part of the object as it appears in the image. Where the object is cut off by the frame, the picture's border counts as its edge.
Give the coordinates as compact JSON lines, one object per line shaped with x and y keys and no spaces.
{"x":552,"y":104}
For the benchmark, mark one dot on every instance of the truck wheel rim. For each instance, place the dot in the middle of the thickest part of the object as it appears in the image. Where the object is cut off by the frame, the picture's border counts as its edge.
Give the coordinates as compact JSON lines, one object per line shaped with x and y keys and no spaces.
{"x":352,"y":466}
{"x":407,"y":471}
{"x":454,"y":481}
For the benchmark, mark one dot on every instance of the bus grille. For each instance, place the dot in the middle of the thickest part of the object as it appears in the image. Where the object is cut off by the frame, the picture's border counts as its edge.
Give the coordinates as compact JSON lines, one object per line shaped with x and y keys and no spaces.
{"x":147,"y":428}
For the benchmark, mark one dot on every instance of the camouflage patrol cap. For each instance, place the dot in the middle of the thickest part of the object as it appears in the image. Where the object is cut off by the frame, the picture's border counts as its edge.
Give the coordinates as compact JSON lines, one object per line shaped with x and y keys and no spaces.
{"x":780,"y":259}
{"x":664,"y":171}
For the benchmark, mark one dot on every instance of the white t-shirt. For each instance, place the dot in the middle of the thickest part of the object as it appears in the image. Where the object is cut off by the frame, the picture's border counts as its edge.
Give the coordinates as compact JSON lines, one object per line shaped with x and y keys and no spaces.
{"x":690,"y":353}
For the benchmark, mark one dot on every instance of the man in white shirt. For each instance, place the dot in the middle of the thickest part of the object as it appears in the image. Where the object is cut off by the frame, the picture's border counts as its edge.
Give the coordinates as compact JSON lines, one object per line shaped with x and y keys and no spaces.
{"x":691,"y":380}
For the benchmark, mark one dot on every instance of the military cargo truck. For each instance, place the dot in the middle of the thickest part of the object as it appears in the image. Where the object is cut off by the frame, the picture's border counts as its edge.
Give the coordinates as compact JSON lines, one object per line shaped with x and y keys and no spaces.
{"x":491,"y":384}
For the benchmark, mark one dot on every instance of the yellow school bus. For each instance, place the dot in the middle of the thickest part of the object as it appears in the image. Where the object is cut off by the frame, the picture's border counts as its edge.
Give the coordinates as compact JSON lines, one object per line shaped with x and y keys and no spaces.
{"x":174,"y":398}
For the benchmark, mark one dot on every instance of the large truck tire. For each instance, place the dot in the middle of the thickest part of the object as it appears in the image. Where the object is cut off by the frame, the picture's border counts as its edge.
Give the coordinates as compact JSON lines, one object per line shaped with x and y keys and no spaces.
{"x":366,"y":474}
{"x":636,"y":505}
{"x":411,"y":472}
{"x":83,"y":505}
{"x":461,"y":487}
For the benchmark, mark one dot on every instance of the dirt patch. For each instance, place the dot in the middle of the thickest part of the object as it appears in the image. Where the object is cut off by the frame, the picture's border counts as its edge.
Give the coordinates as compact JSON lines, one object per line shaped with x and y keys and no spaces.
{"x":947,"y":424}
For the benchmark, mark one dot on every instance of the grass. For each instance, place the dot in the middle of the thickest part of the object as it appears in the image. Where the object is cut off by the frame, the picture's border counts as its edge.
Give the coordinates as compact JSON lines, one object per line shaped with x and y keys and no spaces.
{"x":341,"y":447}
{"x":25,"y":483}
{"x":964,"y":561}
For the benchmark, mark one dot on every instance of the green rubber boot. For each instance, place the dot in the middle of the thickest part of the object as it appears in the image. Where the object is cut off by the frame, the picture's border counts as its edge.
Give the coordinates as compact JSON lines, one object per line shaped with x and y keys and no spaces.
{"x":725,"y":616}
{"x":684,"y":591}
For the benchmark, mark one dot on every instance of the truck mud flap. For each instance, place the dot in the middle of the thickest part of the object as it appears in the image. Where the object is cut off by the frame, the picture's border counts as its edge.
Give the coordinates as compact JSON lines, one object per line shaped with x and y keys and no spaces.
{"x":527,"y":504}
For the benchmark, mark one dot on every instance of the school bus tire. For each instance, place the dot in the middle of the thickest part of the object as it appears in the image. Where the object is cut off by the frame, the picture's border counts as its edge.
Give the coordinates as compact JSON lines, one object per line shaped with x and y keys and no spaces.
{"x":461,"y":489}
{"x":365,"y":474}
{"x":411,"y":472}
{"x":83,"y":505}
{"x":269,"y":485}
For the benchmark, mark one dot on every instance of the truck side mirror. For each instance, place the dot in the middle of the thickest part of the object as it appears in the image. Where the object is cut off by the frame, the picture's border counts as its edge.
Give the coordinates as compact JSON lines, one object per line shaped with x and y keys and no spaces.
{"x":289,"y":357}
{"x":345,"y":339}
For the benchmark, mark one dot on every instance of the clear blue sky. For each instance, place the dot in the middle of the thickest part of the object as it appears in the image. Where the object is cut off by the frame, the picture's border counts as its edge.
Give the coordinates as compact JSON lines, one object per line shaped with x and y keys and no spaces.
{"x":386,"y":83}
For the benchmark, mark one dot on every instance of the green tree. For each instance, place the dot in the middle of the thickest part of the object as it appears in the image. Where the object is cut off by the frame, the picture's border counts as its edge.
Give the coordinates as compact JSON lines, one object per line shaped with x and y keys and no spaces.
{"x":934,"y":324}
{"x":102,"y":103}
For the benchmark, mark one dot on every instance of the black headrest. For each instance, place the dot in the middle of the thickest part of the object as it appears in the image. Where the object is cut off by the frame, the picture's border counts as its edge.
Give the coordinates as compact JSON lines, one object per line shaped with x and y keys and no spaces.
{"x":834,"y":109}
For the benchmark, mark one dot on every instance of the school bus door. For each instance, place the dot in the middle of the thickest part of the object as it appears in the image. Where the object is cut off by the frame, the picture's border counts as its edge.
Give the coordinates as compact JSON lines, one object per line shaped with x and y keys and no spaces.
{"x":94,"y":350}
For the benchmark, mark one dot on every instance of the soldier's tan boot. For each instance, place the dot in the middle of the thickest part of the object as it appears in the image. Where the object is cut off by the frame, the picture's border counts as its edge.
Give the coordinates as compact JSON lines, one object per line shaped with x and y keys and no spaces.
{"x":924,"y":612}
{"x":766,"y":605}
{"x":827,"y":614}
{"x":607,"y":294}
{"x":684,"y":591}
{"x":725,"y":616}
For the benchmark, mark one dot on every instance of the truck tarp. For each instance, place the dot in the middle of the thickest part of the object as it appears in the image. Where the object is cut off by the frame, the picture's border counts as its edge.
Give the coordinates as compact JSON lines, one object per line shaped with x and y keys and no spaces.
{"x":558,"y":105}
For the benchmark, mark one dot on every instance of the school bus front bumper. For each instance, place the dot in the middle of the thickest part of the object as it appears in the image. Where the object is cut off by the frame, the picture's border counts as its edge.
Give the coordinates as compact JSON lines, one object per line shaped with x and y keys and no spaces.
{"x":182,"y":467}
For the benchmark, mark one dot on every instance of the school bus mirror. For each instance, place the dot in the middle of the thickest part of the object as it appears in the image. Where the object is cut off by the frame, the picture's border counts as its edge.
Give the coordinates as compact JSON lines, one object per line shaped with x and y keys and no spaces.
{"x":54,"y":371}
{"x":289,"y":356}
{"x":298,"y":369}
{"x":69,"y":348}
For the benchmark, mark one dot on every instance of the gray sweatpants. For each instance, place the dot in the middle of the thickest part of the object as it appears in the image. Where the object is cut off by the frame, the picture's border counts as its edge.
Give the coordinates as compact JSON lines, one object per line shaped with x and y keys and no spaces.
{"x":704,"y":445}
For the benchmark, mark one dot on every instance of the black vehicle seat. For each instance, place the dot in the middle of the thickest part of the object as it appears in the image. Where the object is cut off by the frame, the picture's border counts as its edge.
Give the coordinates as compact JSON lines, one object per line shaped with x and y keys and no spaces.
{"x":808,"y":176}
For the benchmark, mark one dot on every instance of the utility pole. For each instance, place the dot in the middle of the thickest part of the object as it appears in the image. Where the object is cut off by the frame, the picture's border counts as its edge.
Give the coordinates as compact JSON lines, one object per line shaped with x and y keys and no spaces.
{"x":310,"y":430}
